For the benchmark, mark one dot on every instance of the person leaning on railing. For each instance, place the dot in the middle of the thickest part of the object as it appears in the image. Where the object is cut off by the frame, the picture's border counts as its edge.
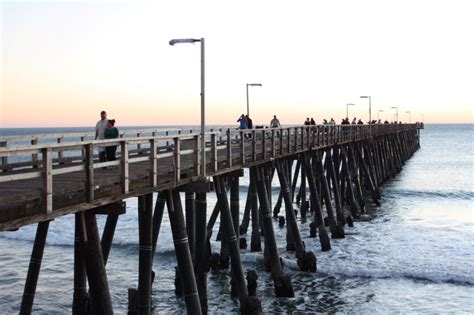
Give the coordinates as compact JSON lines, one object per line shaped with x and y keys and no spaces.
{"x":111,"y":132}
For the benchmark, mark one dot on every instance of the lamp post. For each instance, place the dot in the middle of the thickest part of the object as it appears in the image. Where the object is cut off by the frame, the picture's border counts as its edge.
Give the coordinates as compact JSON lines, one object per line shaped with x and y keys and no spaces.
{"x":409,"y":116}
{"x":396,"y":115}
{"x":203,"y":122}
{"x":347,"y":109}
{"x":250,"y":84}
{"x":370,"y":107}
{"x":378,"y":114}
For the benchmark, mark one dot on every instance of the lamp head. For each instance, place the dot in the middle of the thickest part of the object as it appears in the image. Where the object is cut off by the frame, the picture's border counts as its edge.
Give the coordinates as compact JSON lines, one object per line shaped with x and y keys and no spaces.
{"x":183,"y":40}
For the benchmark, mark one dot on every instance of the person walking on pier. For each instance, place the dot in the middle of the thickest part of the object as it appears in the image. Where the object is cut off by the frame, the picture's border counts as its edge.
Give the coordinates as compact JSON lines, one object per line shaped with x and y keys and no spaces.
{"x":307,"y":122}
{"x":275,"y":123}
{"x":111,"y":132}
{"x":312,"y":122}
{"x":249,"y":125}
{"x":100,"y":127}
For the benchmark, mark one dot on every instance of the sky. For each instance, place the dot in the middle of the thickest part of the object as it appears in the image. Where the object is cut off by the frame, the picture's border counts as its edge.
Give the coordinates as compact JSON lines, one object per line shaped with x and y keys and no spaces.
{"x":62,"y":62}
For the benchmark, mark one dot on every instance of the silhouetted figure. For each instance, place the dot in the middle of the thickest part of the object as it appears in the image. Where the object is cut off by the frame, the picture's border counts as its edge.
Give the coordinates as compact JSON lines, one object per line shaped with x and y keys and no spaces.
{"x":242,"y":122}
{"x":275,"y":123}
{"x":100,"y":127}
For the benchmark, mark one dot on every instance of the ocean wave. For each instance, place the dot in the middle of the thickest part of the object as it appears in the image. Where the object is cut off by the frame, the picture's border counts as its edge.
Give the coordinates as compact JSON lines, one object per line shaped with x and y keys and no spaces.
{"x":437,"y":194}
{"x":164,"y":246}
{"x":424,"y":275}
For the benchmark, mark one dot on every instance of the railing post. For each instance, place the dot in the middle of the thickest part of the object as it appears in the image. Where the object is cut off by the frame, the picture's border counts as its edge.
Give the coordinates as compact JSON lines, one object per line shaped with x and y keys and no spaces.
{"x":214,"y":151}
{"x":34,"y":156}
{"x":177,"y":159}
{"x":125,"y":170}
{"x":47,"y":175}
{"x":89,"y":166}
{"x":280,"y":132}
{"x":153,"y":164}
{"x":4,"y":158}
{"x":273,"y":143}
{"x":229,"y":149}
{"x":197,"y":145}
{"x":242,"y":148}
{"x":60,"y":151}
{"x":289,"y":139}
{"x":263,"y":143}
{"x":254,"y":145}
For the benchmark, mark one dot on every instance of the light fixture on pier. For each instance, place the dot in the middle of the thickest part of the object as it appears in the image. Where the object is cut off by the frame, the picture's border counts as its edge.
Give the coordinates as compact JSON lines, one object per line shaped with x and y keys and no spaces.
{"x":203,"y":122}
{"x":347,"y":109}
{"x":250,"y":84}
{"x":409,"y":116}
{"x":396,"y":115}
{"x":378,"y":114}
{"x":370,"y":107}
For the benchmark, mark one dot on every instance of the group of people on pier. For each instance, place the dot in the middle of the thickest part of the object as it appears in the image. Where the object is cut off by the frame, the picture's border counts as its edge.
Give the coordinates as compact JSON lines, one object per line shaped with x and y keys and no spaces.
{"x":105,"y":129}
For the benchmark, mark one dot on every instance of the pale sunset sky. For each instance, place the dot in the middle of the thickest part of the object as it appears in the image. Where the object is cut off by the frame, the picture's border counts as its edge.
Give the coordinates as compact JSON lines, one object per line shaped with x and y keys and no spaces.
{"x":62,"y":62}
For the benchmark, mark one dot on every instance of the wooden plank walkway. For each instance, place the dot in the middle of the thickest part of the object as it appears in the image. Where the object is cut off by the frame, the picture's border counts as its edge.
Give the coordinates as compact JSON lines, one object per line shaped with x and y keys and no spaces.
{"x":66,"y":177}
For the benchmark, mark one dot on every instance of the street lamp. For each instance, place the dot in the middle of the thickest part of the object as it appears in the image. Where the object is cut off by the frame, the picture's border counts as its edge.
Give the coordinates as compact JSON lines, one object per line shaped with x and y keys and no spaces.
{"x":203,"y":122}
{"x":370,"y":107}
{"x":396,"y":115}
{"x":409,"y":116}
{"x":347,"y":109}
{"x":378,"y":114}
{"x":250,"y":84}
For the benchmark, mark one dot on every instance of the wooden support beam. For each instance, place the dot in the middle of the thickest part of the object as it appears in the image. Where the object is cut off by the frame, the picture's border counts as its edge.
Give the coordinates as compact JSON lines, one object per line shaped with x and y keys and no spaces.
{"x":183,"y":254}
{"x":108,"y":235}
{"x":145,"y":238}
{"x":315,"y":204}
{"x":306,"y":260}
{"x":229,"y":233}
{"x":157,"y":219}
{"x":255,"y":240}
{"x":282,"y":284}
{"x":80,"y":299}
{"x":99,"y":293}
{"x":203,"y":250}
{"x":34,"y":268}
{"x":337,"y":229}
{"x":190,"y":212}
{"x":341,"y":220}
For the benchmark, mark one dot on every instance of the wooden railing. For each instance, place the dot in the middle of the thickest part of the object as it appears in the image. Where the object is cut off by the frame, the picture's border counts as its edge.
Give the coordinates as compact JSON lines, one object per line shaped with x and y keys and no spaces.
{"x":225,"y":151}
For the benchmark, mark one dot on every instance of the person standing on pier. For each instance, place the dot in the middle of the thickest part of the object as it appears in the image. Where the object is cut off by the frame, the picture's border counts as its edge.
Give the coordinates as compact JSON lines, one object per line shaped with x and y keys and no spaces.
{"x":275,"y":123}
{"x":307,"y":122}
{"x":242,"y":122}
{"x":99,"y":134}
{"x":111,"y":132}
{"x":312,"y":122}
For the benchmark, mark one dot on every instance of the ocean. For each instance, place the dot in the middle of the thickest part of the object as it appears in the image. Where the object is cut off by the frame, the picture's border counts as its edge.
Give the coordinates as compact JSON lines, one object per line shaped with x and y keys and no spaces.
{"x":413,"y":254}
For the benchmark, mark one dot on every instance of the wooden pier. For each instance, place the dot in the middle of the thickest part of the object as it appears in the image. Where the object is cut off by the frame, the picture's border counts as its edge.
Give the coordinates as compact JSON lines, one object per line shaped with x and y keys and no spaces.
{"x":339,"y":168}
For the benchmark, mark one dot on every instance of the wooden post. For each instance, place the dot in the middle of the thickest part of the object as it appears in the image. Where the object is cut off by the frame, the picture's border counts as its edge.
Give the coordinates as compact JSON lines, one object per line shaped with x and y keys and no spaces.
{"x":355,"y":177}
{"x":306,"y":260}
{"x":190,"y":221}
{"x":108,"y":235}
{"x":229,"y":149}
{"x":242,"y":148}
{"x":47,"y":174}
{"x":337,"y":229}
{"x":89,"y":165}
{"x":153,"y":164}
{"x":295,"y":179}
{"x":255,"y":241}
{"x":34,"y":156}
{"x":203,"y":250}
{"x":177,"y":159}
{"x":369,"y":179}
{"x":214,"y":152}
{"x":230,"y":235}
{"x":350,"y":190}
{"x":157,"y":218}
{"x":283,"y":287}
{"x":80,"y":297}
{"x":96,"y":275}
{"x":145,"y":212}
{"x":315,"y":205}
{"x":124,"y":167}
{"x":34,"y":268}
{"x":183,"y":255}
{"x":246,"y":218}
{"x":341,"y":220}
{"x":234,"y":202}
